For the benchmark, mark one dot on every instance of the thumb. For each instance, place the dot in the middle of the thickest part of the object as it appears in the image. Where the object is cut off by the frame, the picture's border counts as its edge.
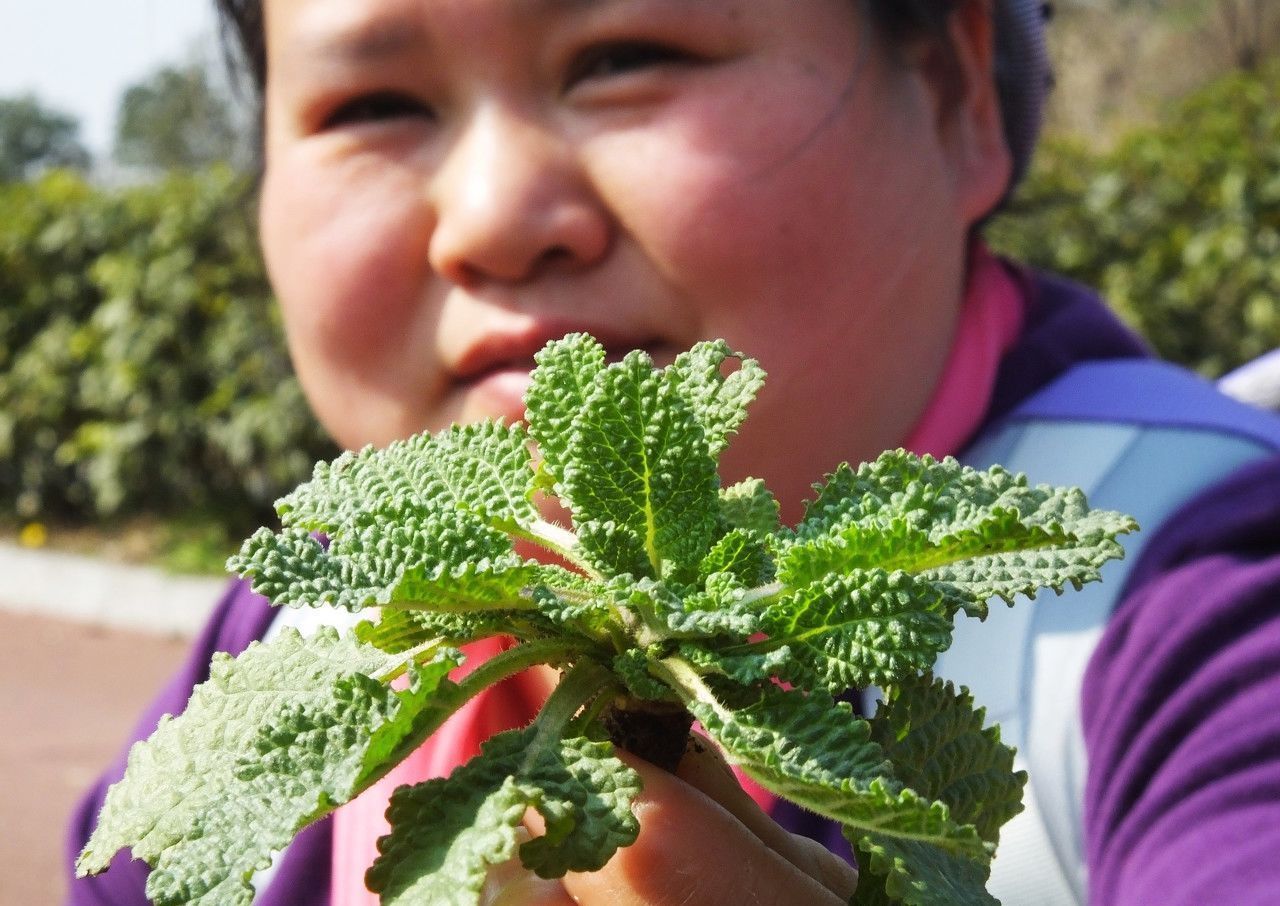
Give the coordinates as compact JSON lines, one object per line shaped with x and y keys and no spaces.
{"x":704,"y":768}
{"x":692,"y":850}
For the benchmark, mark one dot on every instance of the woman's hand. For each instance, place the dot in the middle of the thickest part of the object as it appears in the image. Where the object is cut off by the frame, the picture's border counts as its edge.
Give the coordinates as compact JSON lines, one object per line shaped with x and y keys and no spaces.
{"x":703,"y":842}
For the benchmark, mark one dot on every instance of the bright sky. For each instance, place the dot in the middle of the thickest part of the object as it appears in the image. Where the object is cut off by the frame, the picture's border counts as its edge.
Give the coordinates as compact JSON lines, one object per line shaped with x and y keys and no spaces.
{"x":80,"y":55}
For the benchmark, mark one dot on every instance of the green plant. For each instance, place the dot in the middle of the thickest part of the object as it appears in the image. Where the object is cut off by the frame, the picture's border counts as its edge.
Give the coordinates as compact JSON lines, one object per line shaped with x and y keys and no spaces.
{"x":1178,"y":226}
{"x":142,"y":367}
{"x":672,"y":599}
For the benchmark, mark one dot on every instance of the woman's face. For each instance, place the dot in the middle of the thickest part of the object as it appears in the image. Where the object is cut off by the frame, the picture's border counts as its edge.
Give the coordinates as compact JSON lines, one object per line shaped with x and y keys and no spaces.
{"x":452,"y":183}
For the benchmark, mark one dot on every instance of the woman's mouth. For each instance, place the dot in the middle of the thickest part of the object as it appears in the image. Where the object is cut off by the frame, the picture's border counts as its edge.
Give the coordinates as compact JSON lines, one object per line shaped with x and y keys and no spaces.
{"x":498,"y":392}
{"x":494,"y":373}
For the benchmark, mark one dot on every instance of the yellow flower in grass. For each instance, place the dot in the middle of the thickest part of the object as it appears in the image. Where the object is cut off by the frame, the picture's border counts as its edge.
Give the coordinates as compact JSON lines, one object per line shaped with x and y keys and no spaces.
{"x":33,"y":534}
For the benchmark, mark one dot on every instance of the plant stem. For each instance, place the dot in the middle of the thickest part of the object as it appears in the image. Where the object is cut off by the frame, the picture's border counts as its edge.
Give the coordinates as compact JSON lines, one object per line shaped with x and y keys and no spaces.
{"x":415,"y":655}
{"x":579,"y":685}
{"x":522,"y":657}
{"x":558,"y":540}
{"x":681,"y":676}
{"x":495,"y":670}
{"x":591,"y":713}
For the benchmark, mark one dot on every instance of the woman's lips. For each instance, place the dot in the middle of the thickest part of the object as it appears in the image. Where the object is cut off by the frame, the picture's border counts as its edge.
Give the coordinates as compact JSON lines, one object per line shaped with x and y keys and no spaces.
{"x":498,"y":392}
{"x":495,"y":374}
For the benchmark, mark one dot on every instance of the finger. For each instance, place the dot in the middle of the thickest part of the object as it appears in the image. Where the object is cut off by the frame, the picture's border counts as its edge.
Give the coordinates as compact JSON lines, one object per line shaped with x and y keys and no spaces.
{"x":693,"y":852}
{"x":509,"y":883}
{"x":704,"y":767}
{"x":530,"y":891}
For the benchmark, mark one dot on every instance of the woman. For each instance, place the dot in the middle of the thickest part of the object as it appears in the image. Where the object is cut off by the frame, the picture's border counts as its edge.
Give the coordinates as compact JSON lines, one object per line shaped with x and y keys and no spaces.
{"x":450,"y":183}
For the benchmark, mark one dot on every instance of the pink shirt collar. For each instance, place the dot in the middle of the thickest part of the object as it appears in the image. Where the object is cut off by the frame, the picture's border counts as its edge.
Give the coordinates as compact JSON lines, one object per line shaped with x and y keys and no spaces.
{"x":990,"y":320}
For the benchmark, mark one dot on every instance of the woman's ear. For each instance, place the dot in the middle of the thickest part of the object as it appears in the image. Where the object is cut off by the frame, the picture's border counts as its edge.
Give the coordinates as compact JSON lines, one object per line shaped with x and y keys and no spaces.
{"x":960,"y":75}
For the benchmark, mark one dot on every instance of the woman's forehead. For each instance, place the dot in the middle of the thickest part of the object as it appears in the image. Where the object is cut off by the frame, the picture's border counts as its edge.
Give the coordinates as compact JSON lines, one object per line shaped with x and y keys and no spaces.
{"x":357,"y":24}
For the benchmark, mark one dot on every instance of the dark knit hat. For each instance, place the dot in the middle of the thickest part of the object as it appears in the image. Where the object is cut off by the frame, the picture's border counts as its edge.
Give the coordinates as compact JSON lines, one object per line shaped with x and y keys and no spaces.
{"x":1023,"y":76}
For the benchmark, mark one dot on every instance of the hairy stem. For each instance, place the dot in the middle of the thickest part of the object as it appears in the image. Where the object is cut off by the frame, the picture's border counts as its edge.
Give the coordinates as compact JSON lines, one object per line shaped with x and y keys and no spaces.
{"x":596,"y":707}
{"x":579,"y":685}
{"x":681,"y":676}
{"x":495,"y":670}
{"x":559,"y":541}
{"x":418,"y":654}
{"x":522,"y":657}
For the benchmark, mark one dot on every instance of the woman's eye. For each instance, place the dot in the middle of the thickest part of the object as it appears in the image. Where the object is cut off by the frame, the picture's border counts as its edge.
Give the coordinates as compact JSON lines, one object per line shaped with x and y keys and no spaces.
{"x":623,"y":57}
{"x":375,"y":108}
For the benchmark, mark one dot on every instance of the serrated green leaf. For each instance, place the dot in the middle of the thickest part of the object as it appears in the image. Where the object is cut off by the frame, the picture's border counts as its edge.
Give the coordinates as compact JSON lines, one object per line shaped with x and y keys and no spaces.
{"x":529,"y":601}
{"x":407,"y":562}
{"x":563,"y":379}
{"x":484,"y":469}
{"x":723,"y":608}
{"x":815,"y":752}
{"x":632,"y":667}
{"x":974,"y":534}
{"x":947,"y":500}
{"x":790,"y":737}
{"x":875,"y":542}
{"x":939,"y":748}
{"x":638,"y":459}
{"x":869,"y":628}
{"x":612,"y":549}
{"x":1011,"y":573}
{"x":472,"y":586}
{"x":445,"y":834}
{"x":749,"y":506}
{"x":274,"y":739}
{"x":741,"y":555}
{"x":743,"y":669}
{"x":719,"y":402}
{"x":918,"y":873}
{"x":579,"y":604}
{"x":292,"y":568}
{"x":936,"y":740}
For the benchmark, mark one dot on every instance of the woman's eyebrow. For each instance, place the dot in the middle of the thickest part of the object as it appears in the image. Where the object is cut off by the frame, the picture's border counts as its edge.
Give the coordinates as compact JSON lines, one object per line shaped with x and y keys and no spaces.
{"x":360,"y":43}
{"x":363,"y":42}
{"x":533,"y":7}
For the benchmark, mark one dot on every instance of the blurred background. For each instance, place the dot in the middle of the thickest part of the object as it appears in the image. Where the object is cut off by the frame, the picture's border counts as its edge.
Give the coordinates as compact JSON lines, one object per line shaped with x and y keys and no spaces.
{"x":148,"y":416}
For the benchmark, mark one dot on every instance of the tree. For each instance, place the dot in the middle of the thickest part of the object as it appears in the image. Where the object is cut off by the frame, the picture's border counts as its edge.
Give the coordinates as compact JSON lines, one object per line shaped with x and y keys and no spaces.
{"x":1250,"y":28}
{"x":176,"y":119}
{"x":34,"y":137}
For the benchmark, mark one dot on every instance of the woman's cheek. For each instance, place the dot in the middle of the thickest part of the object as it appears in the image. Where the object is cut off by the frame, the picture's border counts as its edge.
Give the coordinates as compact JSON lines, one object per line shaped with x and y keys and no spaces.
{"x":346,"y":252}
{"x":348,"y":260}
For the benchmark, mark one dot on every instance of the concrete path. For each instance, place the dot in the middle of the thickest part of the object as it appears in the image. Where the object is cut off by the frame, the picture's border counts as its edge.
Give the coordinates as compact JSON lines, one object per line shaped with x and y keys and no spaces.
{"x":70,"y":692}
{"x":84,"y":644}
{"x":83,"y":589}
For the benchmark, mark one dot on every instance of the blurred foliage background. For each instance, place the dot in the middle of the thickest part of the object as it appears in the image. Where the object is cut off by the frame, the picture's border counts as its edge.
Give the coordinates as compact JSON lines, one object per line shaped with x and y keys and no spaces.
{"x":1177,"y":224}
{"x":142,"y":368}
{"x":143,"y":376}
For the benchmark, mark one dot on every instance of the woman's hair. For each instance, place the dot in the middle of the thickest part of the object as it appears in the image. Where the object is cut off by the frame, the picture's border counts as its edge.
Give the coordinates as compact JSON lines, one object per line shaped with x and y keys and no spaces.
{"x":244,"y":39}
{"x":244,"y":36}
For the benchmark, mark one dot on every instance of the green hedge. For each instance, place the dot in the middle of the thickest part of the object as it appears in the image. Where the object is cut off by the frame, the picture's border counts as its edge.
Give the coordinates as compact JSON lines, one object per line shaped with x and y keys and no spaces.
{"x":1178,"y":226}
{"x":141,"y":362}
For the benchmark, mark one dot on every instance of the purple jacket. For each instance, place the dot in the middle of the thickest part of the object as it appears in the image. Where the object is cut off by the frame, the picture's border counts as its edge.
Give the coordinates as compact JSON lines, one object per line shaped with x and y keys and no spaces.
{"x":1181,"y":702}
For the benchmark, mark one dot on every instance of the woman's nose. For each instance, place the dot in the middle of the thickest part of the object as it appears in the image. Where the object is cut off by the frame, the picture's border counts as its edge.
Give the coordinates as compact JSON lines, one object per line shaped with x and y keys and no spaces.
{"x":512,"y":201}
